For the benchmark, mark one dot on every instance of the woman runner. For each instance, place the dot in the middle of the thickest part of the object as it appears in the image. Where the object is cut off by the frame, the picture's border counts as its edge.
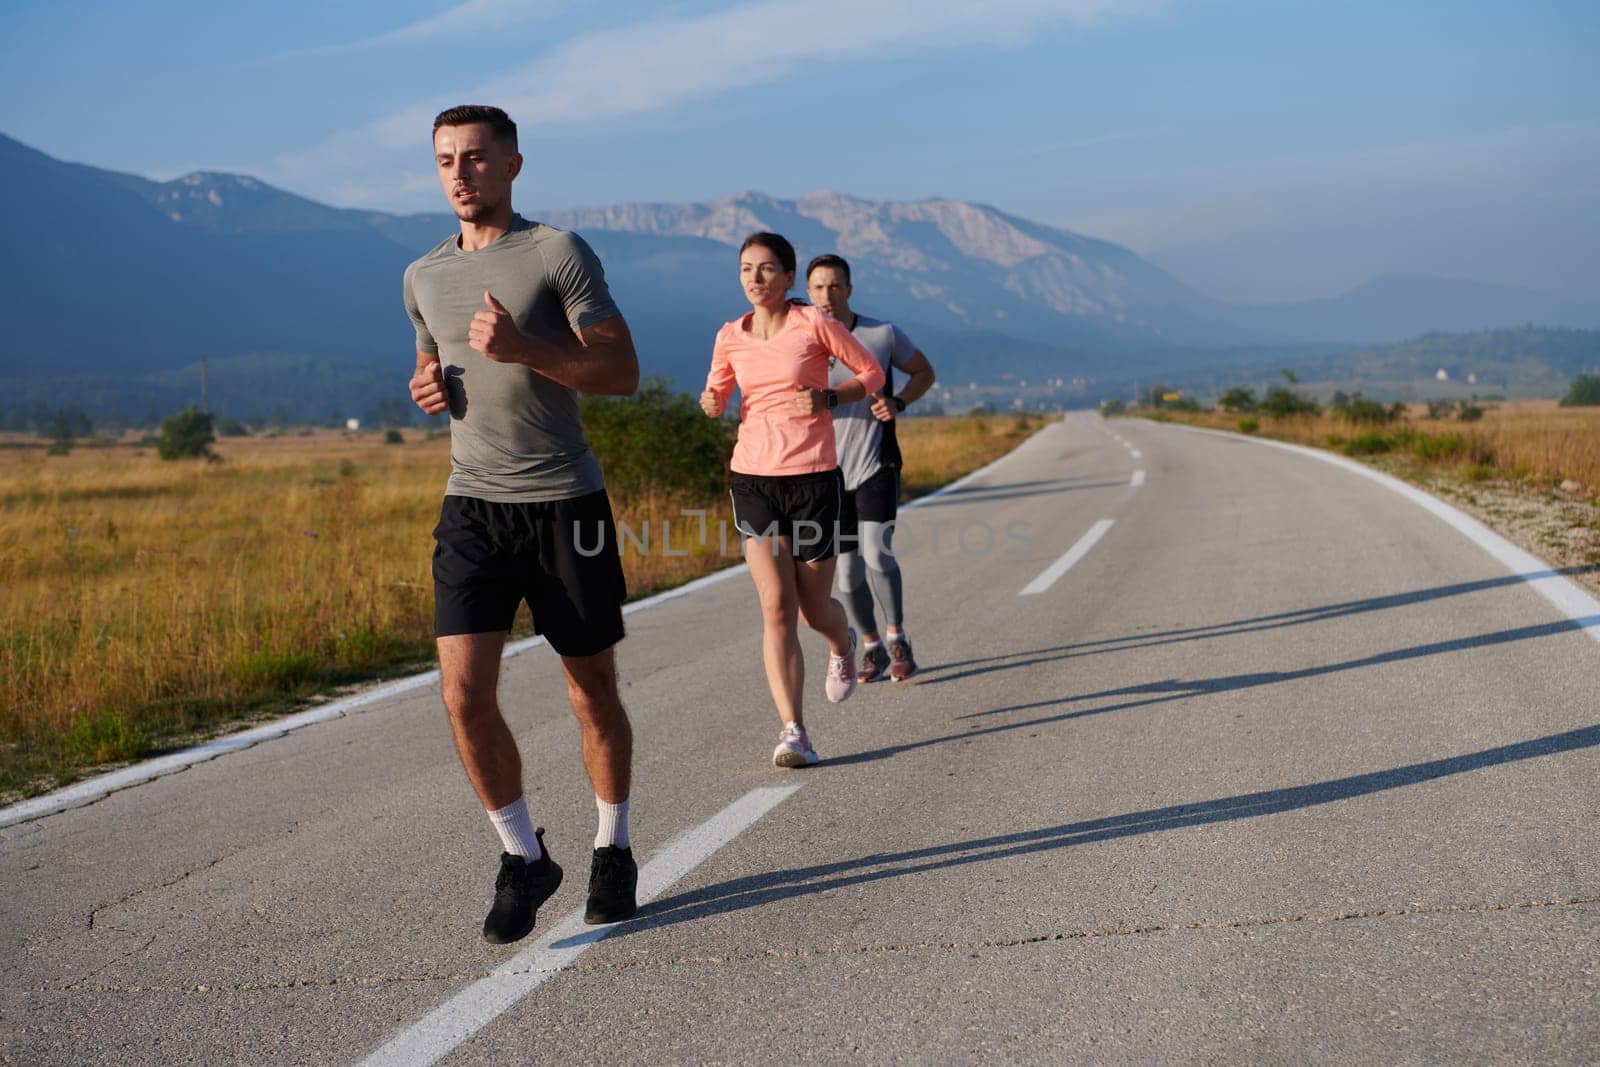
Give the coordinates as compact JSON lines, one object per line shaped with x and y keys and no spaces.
{"x":786,"y":484}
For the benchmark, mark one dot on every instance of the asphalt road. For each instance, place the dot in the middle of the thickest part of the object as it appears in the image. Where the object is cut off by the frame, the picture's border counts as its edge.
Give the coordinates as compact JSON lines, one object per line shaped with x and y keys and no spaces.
{"x":1281,"y":768}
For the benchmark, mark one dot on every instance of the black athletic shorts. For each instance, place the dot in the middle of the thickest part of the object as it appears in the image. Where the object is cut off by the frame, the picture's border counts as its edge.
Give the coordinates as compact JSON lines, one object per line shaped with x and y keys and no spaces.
{"x":802,"y":507}
{"x":561,"y":556}
{"x":875,"y":500}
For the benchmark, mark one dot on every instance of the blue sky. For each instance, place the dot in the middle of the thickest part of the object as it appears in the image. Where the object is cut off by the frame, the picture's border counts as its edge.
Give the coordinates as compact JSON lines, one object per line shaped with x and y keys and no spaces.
{"x":1260,"y":150}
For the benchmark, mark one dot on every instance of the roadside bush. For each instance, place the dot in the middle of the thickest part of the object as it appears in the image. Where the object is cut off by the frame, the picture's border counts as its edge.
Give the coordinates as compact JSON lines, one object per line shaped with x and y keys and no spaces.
{"x":103,"y":737}
{"x":186,"y":435}
{"x":657,"y":439}
{"x":1237,"y":399}
{"x":1281,"y":401}
{"x":1359,"y":409}
{"x":1368,"y":443}
{"x":1441,"y":409}
{"x":1584,"y":391}
{"x":1112,"y":407}
{"x":393,"y":437}
{"x":279,"y":669}
{"x":1249,"y":425}
{"x":1469,"y":412}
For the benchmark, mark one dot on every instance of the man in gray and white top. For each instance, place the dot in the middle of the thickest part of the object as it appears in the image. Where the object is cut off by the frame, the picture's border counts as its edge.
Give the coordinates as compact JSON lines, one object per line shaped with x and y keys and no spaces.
{"x":513,"y":319}
{"x":869,"y":456}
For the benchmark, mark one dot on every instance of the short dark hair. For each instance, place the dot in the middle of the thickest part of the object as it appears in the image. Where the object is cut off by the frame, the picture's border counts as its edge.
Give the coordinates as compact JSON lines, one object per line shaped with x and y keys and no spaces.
{"x":500,"y":125}
{"x":775,"y":243}
{"x":828,"y":259}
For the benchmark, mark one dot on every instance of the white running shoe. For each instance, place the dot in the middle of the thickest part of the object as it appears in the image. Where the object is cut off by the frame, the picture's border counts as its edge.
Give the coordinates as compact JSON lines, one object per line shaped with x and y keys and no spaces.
{"x":842,"y":673}
{"x":794,"y":749}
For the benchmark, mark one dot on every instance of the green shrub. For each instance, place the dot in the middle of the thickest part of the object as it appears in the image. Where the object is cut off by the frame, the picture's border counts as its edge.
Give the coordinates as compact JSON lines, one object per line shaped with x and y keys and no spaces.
{"x":1112,"y":407}
{"x":1249,"y":425}
{"x":1281,"y":401}
{"x":1359,"y":409}
{"x":657,"y":439}
{"x":275,"y":669}
{"x":1368,"y":443}
{"x":1238,"y":399}
{"x":103,"y":737}
{"x":363,"y":646}
{"x":186,"y":435}
{"x":1434,"y":448}
{"x":393,"y":437}
{"x":1440,"y":409}
{"x":1584,"y":391}
{"x":1469,"y":412}
{"x":232,"y":428}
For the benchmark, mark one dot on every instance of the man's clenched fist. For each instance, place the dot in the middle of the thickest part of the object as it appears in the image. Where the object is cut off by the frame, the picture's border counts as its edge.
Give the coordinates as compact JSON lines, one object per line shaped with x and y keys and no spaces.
{"x":427,"y":388}
{"x":494,"y":333}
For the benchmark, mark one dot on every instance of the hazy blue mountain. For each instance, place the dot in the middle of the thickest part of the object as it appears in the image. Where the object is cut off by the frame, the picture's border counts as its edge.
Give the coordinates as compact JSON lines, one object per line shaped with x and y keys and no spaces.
{"x":1401,"y":306}
{"x":126,"y":277}
{"x":111,"y":282}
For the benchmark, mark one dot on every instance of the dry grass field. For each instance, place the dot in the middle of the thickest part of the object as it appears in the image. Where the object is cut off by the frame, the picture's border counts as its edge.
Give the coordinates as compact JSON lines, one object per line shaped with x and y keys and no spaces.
{"x":1535,"y":442}
{"x":149,"y":602}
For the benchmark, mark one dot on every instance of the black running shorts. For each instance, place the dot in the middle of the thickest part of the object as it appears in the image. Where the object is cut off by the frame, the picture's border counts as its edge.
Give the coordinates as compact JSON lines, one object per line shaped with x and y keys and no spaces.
{"x":875,"y":500}
{"x":561,"y":556}
{"x":802,"y":507}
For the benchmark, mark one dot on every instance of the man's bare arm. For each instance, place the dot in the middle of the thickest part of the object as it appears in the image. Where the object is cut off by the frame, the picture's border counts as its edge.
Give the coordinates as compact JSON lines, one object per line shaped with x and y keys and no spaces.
{"x":918,"y":381}
{"x":920,"y":377}
{"x":600,"y":359}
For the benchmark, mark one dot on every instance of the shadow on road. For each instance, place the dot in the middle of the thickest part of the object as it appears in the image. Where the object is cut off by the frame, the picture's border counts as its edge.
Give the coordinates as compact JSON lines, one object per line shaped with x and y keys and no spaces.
{"x":949,"y":672}
{"x":986,"y":494}
{"x":756,"y":890}
{"x":1177,"y":689}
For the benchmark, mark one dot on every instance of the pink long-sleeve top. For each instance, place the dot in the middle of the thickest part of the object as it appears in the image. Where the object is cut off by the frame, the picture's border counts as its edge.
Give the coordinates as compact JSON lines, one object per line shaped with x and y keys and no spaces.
{"x":774,"y":438}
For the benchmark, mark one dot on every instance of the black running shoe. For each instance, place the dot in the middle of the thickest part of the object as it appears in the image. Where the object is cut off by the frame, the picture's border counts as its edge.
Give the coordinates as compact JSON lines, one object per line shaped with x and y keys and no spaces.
{"x":901,"y":663}
{"x":519,"y":889}
{"x":874,"y":665}
{"x":613,"y":880}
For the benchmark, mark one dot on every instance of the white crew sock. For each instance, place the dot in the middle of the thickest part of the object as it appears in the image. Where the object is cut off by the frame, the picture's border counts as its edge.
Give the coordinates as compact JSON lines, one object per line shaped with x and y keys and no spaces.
{"x":516,"y":829}
{"x":895,"y":635}
{"x":868,"y":646}
{"x":613,"y":824}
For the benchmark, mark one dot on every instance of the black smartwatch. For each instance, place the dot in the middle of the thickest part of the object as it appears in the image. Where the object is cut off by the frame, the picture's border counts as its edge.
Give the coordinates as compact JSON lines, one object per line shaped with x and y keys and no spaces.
{"x":833,"y":398}
{"x":899,"y":405}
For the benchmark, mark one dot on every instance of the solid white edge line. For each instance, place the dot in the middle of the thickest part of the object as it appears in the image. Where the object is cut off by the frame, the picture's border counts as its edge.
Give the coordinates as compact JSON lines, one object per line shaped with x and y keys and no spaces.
{"x":1572,"y":599}
{"x":92,"y":789}
{"x":455,"y":1021}
{"x":1066,"y":562}
{"x":1137,"y":479}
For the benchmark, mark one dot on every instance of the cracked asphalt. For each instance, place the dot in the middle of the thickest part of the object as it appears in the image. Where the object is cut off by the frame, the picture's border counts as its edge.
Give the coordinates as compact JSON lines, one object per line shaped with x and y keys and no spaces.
{"x":1284,"y":769}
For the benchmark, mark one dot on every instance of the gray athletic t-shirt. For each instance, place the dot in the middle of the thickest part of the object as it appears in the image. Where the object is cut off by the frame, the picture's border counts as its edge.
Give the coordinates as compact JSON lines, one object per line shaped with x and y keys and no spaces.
{"x":515,"y":435}
{"x":857,"y":434}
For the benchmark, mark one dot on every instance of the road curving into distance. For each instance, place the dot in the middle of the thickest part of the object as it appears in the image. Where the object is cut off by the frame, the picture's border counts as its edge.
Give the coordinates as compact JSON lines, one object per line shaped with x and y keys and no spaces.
{"x":1220,"y":751}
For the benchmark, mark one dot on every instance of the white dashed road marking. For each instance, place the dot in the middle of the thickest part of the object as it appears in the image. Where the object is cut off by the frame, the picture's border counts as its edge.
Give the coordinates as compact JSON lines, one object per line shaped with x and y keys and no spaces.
{"x":1066,"y":562}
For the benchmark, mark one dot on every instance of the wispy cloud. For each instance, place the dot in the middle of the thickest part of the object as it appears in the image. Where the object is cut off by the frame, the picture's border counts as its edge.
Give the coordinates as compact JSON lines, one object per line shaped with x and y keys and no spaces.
{"x":668,"y":62}
{"x":658,"y":65}
{"x":471,"y":18}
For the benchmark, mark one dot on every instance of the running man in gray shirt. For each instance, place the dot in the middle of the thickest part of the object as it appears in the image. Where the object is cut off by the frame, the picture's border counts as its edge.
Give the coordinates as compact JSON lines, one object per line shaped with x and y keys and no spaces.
{"x":869,"y":456}
{"x":513,"y":319}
